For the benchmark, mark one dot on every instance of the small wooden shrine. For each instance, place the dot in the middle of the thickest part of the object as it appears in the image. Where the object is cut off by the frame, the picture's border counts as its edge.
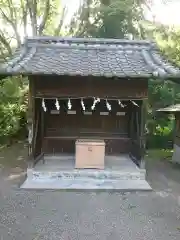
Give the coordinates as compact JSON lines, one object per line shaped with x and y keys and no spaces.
{"x":87,"y":89}
{"x":175,"y":110}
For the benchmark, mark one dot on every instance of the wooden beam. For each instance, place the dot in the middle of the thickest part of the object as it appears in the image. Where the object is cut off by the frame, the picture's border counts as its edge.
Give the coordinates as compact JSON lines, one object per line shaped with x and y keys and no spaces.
{"x":31,"y":120}
{"x":36,"y":131}
{"x":83,"y":87}
{"x":142,"y":133}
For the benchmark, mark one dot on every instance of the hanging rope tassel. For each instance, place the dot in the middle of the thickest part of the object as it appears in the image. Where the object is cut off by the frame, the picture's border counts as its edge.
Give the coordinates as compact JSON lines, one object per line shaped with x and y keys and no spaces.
{"x":108,"y":105}
{"x":57,"y":104}
{"x":44,"y":105}
{"x":94,"y":104}
{"x":134,"y":103}
{"x":82,"y":104}
{"x":97,"y":100}
{"x":69,"y":104}
{"x":120,"y":104}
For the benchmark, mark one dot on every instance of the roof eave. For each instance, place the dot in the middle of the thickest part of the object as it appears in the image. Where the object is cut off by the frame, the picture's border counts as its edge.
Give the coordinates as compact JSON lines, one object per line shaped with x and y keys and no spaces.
{"x":154,"y":75}
{"x":30,"y":73}
{"x":172,"y":109}
{"x":170,"y":77}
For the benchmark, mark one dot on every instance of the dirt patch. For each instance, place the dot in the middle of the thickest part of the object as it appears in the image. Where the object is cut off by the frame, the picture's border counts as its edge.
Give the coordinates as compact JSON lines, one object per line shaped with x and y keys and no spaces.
{"x":163,"y":175}
{"x":13,"y":158}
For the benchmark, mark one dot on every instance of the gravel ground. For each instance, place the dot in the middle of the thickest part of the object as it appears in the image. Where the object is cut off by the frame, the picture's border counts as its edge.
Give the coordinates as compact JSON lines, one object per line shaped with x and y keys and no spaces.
{"x":28,"y":215}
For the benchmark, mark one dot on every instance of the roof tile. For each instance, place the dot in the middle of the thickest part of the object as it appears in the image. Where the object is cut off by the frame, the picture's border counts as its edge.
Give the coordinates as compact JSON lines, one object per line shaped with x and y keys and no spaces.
{"x":96,"y":57}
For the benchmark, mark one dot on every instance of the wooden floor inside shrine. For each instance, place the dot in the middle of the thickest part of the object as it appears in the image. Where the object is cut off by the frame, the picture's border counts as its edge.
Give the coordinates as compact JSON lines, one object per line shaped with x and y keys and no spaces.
{"x":67,"y":162}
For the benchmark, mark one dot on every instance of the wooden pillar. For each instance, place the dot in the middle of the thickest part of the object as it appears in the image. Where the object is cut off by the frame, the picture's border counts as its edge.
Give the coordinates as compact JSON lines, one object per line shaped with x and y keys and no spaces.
{"x":30,"y":125}
{"x":143,"y":133}
{"x":176,"y":145}
{"x":135,"y":126}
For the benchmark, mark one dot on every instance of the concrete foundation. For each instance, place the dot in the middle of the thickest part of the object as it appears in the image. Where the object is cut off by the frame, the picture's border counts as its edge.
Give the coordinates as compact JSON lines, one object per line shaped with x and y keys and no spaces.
{"x":58,"y":172}
{"x":176,"y":154}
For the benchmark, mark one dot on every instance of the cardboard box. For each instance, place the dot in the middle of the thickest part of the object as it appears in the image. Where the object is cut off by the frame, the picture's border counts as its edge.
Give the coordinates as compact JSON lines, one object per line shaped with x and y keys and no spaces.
{"x":90,"y":153}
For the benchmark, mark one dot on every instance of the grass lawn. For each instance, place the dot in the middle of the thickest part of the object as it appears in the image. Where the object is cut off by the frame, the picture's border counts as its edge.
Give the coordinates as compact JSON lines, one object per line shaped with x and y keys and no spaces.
{"x":160,"y":154}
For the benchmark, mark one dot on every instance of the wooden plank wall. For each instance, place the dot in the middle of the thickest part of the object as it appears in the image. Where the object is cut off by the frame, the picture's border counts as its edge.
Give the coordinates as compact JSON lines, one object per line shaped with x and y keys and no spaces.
{"x":63,"y":129}
{"x":49,"y":86}
{"x":101,"y":87}
{"x":113,"y":146}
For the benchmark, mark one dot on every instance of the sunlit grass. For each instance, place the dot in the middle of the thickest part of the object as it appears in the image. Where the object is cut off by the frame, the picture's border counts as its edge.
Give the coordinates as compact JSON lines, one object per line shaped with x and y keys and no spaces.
{"x":159,"y":154}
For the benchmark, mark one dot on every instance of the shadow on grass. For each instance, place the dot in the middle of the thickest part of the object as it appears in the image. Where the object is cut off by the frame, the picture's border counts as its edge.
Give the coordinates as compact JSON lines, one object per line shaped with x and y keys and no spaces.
{"x":159,"y":163}
{"x":159,"y":154}
{"x":163,"y":155}
{"x":13,"y":157}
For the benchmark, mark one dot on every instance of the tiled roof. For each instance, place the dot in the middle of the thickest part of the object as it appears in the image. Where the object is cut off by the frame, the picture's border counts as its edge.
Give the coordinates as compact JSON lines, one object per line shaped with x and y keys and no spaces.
{"x":89,"y":57}
{"x":172,"y":108}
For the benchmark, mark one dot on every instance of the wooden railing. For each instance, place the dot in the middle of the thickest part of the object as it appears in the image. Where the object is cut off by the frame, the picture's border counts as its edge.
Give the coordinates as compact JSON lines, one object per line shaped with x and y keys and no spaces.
{"x":115,"y":143}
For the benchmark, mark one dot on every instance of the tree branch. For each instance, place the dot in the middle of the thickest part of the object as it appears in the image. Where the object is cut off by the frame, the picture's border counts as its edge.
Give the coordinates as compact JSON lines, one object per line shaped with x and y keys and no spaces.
{"x":148,"y":5}
{"x":45,"y":17}
{"x":58,"y":29}
{"x":14,"y":26}
{"x":5,"y":43}
{"x":30,"y":12}
{"x":35,"y":16}
{"x":10,"y":6}
{"x":3,"y":55}
{"x":24,"y":17}
{"x":32,"y":7}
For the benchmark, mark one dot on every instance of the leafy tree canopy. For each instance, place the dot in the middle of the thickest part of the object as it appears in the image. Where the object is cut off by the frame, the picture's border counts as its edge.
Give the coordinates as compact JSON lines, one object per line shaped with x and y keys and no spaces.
{"x":20,"y":18}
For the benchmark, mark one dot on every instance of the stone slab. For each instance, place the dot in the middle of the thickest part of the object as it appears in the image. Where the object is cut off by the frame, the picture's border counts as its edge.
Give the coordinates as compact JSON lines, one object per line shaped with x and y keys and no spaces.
{"x":58,"y":172}
{"x":54,"y":163}
{"x":123,"y":185}
{"x":87,"y":174}
{"x":176,"y":154}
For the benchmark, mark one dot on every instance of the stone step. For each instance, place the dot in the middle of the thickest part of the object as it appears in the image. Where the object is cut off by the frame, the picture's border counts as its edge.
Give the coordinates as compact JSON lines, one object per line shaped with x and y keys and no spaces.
{"x":87,"y":175}
{"x":81,"y":184}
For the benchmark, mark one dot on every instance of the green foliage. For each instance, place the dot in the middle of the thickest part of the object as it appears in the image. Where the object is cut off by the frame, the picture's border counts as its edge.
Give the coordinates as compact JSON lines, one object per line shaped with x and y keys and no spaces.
{"x":107,"y":18}
{"x":161,"y":126}
{"x":168,"y":39}
{"x":95,"y":18}
{"x":10,"y":118}
{"x":160,"y":95}
{"x":19,"y":19}
{"x":159,"y":154}
{"x":13,"y":105}
{"x":120,"y":19}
